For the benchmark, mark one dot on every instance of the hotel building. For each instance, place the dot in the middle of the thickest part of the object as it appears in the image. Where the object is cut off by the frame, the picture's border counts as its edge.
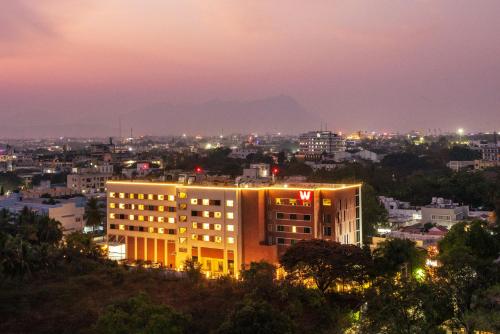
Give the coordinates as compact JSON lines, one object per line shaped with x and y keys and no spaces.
{"x":227,"y":227}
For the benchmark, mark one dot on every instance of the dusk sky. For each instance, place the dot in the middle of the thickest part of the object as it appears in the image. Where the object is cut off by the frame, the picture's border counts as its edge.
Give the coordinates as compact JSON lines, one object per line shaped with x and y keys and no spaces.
{"x":356,"y":64}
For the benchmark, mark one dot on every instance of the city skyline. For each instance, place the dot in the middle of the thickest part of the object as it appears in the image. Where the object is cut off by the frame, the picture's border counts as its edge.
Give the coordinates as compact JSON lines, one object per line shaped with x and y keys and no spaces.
{"x":74,"y":67}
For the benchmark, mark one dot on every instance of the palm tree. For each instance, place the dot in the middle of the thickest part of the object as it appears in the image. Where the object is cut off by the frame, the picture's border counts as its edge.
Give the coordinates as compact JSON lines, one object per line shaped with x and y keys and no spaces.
{"x":93,"y":215}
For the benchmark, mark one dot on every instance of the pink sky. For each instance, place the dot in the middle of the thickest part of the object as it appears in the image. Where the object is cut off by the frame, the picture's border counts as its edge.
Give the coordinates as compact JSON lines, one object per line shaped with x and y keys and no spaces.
{"x":356,"y":64}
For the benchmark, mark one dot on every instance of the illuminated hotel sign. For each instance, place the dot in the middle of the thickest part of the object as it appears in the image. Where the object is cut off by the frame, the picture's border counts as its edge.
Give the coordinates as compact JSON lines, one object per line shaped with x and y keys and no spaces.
{"x":305,"y":195}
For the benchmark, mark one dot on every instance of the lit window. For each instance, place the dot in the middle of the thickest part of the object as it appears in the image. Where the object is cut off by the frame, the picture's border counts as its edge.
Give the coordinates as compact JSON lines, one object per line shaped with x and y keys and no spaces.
{"x":161,"y":220}
{"x":122,"y":195}
{"x":183,"y":218}
{"x":206,"y":238}
{"x":194,"y":236}
{"x":294,"y":229}
{"x":183,"y":206}
{"x":218,"y":239}
{"x":195,"y":225}
{"x":206,"y":201}
{"x":182,"y":240}
{"x":131,"y":196}
{"x":218,"y":214}
{"x":141,"y":207}
{"x":150,"y":196}
{"x":230,"y":203}
{"x":121,"y":227}
{"x":171,"y":197}
{"x":229,"y":215}
{"x":112,"y":216}
{"x":151,"y":218}
{"x":327,"y":202}
{"x":194,"y":201}
{"x":230,"y":228}
{"x":218,"y":227}
{"x":182,"y":230}
{"x":141,"y":218}
{"x":206,"y":214}
{"x":132,"y":206}
{"x":278,"y":201}
{"x":121,"y":206}
{"x":206,"y":226}
{"x":230,"y":240}
{"x":292,"y":201}
{"x":151,"y":230}
{"x":182,"y":195}
{"x":141,"y":196}
{"x":111,"y":205}
{"x":112,"y":195}
{"x":161,"y":230}
{"x":161,"y":208}
{"x":161,"y":197}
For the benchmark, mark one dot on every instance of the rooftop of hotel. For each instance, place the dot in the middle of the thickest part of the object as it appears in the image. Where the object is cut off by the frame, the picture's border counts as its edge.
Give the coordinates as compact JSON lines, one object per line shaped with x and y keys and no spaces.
{"x":277,"y":186}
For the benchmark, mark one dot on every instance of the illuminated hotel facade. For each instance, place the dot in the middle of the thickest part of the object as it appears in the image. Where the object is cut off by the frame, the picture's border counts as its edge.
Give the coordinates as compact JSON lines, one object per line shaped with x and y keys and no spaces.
{"x":227,"y":227}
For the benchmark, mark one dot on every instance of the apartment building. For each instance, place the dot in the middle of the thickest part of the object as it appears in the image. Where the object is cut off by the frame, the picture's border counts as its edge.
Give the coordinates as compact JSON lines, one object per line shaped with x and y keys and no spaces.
{"x":88,"y":183}
{"x":227,"y":227}
{"x":315,"y":143}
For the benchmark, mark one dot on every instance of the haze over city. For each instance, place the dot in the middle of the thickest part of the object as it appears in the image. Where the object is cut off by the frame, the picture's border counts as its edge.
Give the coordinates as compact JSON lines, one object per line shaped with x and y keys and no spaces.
{"x":76,"y":67}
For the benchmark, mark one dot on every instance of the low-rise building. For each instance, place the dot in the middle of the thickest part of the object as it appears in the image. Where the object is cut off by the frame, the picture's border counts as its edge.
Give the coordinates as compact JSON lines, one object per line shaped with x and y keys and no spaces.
{"x":444,"y":212}
{"x":457,"y":166}
{"x":92,"y":183}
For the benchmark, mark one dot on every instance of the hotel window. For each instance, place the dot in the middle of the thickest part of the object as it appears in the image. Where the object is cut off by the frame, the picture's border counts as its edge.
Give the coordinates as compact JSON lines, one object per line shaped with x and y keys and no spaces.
{"x":218,"y":214}
{"x":229,"y":215}
{"x":194,"y":236}
{"x":161,"y":197}
{"x":182,"y":195}
{"x":112,"y":216}
{"x":182,"y":218}
{"x":307,"y":218}
{"x":182,"y":240}
{"x":230,"y":228}
{"x":307,"y":230}
{"x":141,"y":218}
{"x":294,"y":229}
{"x":293,"y":216}
{"x":206,"y":201}
{"x":305,"y":203}
{"x":280,"y":241}
{"x":218,"y":227}
{"x":112,"y":195}
{"x":151,"y":218}
{"x":206,"y":238}
{"x":121,"y":227}
{"x":121,"y":206}
{"x":131,"y":196}
{"x":141,"y":207}
{"x":194,"y":201}
{"x":150,"y":196}
{"x":206,"y":226}
{"x":182,"y":230}
{"x":161,"y":208}
{"x":280,"y":228}
{"x":171,"y":220}
{"x":140,"y":196}
{"x":278,"y":201}
{"x":195,"y":225}
{"x":183,"y":206}
{"x":161,"y":230}
{"x":327,"y":202}
{"x":327,"y":230}
{"x":292,"y":201}
{"x":280,"y":215}
{"x":161,"y":220}
{"x":230,"y":240}
{"x":132,"y":206}
{"x":206,"y":214}
{"x":218,"y":239}
{"x":171,"y":197}
{"x":112,"y":205}
{"x":230,"y":203}
{"x":122,"y":195}
{"x":151,"y":230}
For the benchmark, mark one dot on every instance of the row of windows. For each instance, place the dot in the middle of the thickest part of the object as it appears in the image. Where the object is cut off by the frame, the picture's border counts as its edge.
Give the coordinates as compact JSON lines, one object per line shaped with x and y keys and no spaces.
{"x":216,"y":227}
{"x":159,"y":230}
{"x":154,"y":197}
{"x":211,"y":214}
{"x":142,"y":207}
{"x":142,"y":218}
{"x":292,"y":216}
{"x":207,"y":238}
{"x":291,"y":201}
{"x":291,"y":229}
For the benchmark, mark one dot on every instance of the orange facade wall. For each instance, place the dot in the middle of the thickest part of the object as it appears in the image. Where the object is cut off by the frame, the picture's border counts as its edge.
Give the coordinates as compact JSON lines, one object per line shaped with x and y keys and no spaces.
{"x":212,"y":253}
{"x":140,"y":248}
{"x":171,"y":253}
{"x":151,"y":249}
{"x":160,"y":249}
{"x":131,"y":248}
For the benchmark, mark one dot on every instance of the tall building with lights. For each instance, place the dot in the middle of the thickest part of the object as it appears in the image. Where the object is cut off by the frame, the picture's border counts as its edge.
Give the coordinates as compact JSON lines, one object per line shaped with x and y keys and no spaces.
{"x":315,"y":143}
{"x":227,"y":227}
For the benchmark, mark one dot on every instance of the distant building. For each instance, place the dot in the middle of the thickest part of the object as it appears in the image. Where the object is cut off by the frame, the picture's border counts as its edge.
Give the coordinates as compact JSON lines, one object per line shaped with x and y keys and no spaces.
{"x":444,"y":212}
{"x":491,"y":152}
{"x":91,"y":183}
{"x":315,"y":143}
{"x":370,"y":155}
{"x":242,"y":153}
{"x":457,"y":166}
{"x":400,"y":212}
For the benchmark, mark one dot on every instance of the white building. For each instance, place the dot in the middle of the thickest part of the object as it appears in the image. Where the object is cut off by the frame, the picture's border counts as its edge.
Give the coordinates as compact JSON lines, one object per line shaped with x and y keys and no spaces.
{"x":457,"y":166}
{"x":444,"y":212}
{"x":315,"y":143}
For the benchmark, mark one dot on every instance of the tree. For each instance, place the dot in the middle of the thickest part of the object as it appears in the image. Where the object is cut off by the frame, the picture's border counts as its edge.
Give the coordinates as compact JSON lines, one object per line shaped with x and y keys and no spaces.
{"x":93,"y":215}
{"x":140,"y":314}
{"x":2,"y":192}
{"x":256,"y":317}
{"x":79,"y":245}
{"x":326,"y":263}
{"x":259,"y":277}
{"x":374,"y":214}
{"x":193,"y":271}
{"x":398,"y":255}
